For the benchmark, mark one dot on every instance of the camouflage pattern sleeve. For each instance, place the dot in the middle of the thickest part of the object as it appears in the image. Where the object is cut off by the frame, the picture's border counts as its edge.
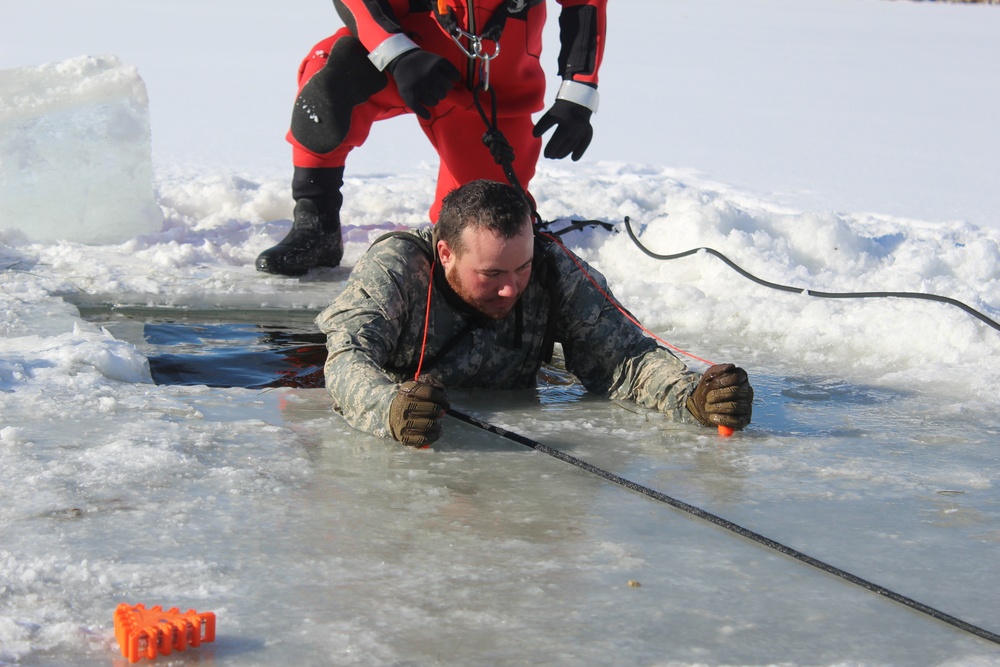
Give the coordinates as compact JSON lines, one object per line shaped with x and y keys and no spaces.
{"x":609,"y":354}
{"x":363,"y":326}
{"x":661,"y":381}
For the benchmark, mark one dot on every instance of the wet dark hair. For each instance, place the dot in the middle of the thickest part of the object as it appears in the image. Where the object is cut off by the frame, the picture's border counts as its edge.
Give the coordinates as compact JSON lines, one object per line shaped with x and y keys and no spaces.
{"x":482,"y":204}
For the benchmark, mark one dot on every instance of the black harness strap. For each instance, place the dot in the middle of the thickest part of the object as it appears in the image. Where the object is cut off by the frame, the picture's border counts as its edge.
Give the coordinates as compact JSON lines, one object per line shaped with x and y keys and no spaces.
{"x":491,"y":31}
{"x":547,"y":276}
{"x":450,"y":345}
{"x":407,"y":236}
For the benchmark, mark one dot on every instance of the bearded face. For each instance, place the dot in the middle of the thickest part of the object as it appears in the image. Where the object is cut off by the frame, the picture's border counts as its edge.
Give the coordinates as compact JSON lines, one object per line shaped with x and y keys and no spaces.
{"x":490,"y":273}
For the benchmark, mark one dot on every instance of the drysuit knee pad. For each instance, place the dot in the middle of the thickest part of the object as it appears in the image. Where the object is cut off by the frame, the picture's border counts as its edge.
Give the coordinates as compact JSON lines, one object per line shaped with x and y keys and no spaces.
{"x":321,"y":118}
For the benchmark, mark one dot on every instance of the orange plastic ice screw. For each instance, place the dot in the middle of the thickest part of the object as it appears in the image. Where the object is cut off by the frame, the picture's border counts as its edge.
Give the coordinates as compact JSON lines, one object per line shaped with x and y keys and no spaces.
{"x":146,"y":633}
{"x":725,"y":431}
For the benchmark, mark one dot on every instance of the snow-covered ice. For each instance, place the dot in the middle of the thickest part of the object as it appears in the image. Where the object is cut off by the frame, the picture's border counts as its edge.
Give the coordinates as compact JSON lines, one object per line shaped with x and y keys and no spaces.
{"x":834,"y":145}
{"x":75,"y":152}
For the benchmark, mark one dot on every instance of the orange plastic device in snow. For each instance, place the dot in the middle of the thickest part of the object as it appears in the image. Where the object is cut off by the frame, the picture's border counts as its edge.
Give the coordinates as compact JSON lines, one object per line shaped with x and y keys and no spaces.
{"x":147,"y":633}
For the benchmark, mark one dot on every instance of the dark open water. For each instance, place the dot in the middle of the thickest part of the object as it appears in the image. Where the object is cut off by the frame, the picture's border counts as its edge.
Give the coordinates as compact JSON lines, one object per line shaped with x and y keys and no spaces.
{"x":254,"y":349}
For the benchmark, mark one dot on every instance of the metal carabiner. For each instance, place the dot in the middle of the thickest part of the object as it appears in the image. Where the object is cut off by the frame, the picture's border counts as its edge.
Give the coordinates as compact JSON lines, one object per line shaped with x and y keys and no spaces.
{"x":476,"y":51}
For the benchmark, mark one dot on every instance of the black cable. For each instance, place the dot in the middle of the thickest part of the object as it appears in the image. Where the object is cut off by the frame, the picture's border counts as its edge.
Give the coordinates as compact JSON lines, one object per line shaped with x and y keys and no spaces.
{"x":798,"y":290}
{"x":729,"y":525}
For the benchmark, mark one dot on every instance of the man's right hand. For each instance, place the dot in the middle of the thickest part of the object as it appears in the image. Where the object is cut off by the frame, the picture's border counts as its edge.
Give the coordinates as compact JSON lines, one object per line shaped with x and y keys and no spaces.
{"x":415,"y":413}
{"x":423,"y":79}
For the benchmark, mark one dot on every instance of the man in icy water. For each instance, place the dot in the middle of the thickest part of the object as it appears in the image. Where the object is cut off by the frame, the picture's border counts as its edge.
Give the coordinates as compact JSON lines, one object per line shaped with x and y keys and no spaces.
{"x":479,"y":301}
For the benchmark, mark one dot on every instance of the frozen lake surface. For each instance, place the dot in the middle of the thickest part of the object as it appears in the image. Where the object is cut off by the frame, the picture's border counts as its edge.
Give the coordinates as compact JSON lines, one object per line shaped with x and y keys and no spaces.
{"x":832,"y":145}
{"x":314,"y":543}
{"x":873,"y":448}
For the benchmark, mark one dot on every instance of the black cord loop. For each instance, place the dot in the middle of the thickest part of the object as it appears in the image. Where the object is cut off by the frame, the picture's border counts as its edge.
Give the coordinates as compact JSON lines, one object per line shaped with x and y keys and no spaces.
{"x":799,"y":290}
{"x":494,"y":139}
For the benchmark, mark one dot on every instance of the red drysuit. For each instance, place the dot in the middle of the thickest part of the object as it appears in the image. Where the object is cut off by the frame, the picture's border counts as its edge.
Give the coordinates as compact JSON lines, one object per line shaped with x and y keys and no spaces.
{"x":337,"y":104}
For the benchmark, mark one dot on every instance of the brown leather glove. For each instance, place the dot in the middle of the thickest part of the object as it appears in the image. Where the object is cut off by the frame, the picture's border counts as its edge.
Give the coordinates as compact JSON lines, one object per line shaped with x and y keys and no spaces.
{"x":415,"y":413}
{"x":724,"y":396}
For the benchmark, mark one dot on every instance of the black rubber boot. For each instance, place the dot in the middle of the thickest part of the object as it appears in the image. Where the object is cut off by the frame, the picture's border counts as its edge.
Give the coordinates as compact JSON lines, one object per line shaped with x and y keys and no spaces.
{"x":314,"y":239}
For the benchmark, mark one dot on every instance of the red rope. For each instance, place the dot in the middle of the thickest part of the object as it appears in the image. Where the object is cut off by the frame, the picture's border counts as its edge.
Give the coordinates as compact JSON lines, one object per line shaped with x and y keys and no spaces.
{"x":427,"y":323}
{"x":617,"y":305}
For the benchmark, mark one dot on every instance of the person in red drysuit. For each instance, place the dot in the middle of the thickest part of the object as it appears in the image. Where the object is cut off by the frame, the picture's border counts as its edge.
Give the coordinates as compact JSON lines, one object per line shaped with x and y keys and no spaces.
{"x":398,"y":56}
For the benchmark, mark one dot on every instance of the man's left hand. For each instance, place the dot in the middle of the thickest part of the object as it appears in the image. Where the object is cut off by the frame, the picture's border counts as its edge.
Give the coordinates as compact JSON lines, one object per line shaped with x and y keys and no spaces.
{"x":573,"y":131}
{"x":723,"y":397}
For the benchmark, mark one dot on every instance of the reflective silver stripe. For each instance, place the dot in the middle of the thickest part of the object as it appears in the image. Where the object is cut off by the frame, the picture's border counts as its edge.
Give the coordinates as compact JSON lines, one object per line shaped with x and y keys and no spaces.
{"x":386,"y":52}
{"x":579,"y":93}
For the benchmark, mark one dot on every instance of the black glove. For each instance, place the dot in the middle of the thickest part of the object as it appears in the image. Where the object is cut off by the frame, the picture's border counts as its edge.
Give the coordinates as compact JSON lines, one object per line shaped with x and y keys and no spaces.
{"x":415,"y":413}
{"x":573,"y":132}
{"x":724,"y":396}
{"x":422,"y":78}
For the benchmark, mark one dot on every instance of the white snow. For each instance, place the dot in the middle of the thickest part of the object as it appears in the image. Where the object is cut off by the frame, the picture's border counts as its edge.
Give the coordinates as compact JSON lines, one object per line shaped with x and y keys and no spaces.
{"x":832,"y":145}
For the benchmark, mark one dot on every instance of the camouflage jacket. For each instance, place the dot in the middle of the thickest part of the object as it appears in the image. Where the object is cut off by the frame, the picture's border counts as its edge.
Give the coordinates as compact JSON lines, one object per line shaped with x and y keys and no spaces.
{"x":375,"y":329}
